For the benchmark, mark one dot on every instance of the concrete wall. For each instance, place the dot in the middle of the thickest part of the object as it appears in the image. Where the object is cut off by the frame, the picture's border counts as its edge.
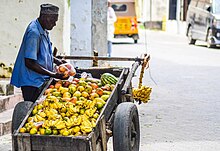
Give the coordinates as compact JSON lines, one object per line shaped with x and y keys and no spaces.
{"x":151,"y":10}
{"x":88,"y":29}
{"x":81,"y":30}
{"x":15,"y":15}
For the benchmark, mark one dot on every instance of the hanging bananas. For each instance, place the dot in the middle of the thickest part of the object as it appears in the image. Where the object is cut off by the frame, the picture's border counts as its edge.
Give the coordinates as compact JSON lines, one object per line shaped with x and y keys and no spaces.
{"x":142,"y":93}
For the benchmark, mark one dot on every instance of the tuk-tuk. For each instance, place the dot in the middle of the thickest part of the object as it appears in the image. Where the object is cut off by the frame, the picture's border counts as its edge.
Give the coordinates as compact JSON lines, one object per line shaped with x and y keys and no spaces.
{"x":126,"y":24}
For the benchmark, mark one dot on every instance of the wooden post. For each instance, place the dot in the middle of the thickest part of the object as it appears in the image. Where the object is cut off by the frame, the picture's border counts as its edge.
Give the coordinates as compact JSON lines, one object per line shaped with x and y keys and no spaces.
{"x":103,"y":134}
{"x":95,"y":61}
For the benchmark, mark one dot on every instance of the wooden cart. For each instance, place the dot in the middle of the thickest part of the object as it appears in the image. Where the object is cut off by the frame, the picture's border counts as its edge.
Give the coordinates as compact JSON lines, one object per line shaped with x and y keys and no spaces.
{"x":119,"y":118}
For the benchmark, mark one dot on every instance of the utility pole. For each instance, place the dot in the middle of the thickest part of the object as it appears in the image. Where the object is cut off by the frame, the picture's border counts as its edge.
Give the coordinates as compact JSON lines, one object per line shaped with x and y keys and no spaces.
{"x":151,"y":24}
{"x":178,"y":15}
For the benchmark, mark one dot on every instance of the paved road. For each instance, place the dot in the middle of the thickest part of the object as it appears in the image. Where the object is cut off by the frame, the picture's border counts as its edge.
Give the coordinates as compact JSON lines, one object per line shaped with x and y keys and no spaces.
{"x":183,"y":114}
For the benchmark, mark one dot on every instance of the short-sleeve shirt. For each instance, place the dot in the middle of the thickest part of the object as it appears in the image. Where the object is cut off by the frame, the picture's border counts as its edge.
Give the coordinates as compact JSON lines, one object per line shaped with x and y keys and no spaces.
{"x":35,"y":45}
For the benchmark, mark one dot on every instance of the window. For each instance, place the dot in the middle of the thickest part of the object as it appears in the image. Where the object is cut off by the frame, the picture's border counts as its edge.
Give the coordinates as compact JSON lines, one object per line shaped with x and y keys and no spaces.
{"x":119,"y":7}
{"x":216,"y":7}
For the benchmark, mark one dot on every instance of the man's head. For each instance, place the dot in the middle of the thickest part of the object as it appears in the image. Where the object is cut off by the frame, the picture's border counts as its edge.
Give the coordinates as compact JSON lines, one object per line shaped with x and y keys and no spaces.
{"x":48,"y":16}
{"x":109,"y":3}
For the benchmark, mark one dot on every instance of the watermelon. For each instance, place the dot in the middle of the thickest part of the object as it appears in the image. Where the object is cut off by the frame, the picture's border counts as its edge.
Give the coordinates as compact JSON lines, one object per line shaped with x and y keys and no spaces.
{"x":108,"y":78}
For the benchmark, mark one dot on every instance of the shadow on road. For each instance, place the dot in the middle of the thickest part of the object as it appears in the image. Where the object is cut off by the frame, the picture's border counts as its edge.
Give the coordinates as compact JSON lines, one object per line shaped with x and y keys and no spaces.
{"x":120,"y":43}
{"x":126,"y":43}
{"x":204,"y":46}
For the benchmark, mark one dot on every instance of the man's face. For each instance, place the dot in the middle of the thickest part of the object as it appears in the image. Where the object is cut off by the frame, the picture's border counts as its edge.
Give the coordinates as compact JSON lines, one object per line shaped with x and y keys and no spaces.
{"x":50,"y":21}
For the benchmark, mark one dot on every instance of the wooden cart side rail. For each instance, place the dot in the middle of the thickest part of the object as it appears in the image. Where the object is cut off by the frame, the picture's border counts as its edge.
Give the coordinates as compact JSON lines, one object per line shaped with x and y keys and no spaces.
{"x":108,"y":109}
{"x":29,"y":142}
{"x":98,"y":138}
{"x":113,"y":98}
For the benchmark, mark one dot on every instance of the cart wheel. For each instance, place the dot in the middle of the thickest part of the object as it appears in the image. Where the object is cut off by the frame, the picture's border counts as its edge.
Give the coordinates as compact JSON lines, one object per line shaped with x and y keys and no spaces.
{"x":19,"y":114}
{"x":126,"y":128}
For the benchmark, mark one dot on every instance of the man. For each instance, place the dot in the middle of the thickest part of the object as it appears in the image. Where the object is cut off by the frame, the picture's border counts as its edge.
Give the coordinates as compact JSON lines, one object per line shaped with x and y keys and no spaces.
{"x":34,"y":63}
{"x":111,"y":19}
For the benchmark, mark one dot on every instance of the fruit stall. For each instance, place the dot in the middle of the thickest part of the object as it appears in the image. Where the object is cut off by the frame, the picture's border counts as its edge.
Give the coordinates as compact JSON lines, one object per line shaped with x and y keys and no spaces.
{"x":81,"y":114}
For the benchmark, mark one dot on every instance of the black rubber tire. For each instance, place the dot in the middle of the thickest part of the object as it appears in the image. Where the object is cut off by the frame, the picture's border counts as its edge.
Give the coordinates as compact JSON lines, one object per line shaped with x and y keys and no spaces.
{"x":209,"y":40}
{"x":191,"y":41}
{"x":20,"y":111}
{"x":126,"y":128}
{"x":135,"y":41}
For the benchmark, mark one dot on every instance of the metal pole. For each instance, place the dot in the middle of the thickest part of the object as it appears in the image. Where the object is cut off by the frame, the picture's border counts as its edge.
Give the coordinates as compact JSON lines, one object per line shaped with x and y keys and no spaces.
{"x":178,"y":16}
{"x":150,"y":14}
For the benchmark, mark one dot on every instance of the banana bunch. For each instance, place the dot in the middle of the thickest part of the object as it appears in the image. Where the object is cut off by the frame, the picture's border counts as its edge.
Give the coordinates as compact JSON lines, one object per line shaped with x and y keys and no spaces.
{"x":142,"y":94}
{"x":90,"y":104}
{"x":86,"y":126}
{"x":37,"y":118}
{"x":68,"y":122}
{"x":50,"y":123}
{"x":60,"y":125}
{"x":72,"y":110}
{"x":76,"y":120}
{"x":90,"y":112}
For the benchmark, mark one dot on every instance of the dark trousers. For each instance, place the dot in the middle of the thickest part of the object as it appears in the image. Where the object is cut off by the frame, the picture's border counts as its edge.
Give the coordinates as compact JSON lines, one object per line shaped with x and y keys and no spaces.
{"x":30,"y":93}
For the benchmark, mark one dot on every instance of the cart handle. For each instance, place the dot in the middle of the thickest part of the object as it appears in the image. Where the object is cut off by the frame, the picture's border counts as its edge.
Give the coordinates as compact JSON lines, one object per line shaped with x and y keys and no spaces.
{"x":132,"y":72}
{"x":100,"y":58}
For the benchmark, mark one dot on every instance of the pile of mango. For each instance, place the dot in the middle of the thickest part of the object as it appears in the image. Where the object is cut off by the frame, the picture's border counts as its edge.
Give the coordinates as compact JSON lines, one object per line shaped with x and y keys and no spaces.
{"x":69,"y":108}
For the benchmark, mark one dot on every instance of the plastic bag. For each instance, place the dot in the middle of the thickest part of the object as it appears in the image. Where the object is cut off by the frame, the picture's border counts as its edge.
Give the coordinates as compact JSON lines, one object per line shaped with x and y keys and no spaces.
{"x":67,"y":69}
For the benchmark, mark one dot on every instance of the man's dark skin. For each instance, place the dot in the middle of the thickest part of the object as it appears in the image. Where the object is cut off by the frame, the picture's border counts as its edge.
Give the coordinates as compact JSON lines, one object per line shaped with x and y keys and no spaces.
{"x":47,"y":21}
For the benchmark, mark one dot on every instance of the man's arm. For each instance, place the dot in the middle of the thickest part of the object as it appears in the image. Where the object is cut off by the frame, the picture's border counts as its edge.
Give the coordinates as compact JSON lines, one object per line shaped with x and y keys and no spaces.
{"x":31,"y":64}
{"x":58,"y":61}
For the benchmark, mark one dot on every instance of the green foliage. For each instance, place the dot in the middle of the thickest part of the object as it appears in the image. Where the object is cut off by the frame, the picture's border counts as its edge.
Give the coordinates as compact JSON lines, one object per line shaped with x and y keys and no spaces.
{"x":68,"y":1}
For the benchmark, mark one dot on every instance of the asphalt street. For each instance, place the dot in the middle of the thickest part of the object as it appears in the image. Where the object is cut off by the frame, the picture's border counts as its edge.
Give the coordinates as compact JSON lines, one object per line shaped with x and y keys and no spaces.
{"x":183,"y":114}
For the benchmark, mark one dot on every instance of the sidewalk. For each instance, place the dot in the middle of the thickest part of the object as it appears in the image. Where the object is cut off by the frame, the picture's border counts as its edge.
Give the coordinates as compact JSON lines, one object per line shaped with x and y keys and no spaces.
{"x":172,"y":26}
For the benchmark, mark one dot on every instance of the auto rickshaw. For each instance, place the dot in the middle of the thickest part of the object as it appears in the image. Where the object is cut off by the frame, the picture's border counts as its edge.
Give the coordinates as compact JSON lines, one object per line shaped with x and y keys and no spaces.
{"x":126,"y":24}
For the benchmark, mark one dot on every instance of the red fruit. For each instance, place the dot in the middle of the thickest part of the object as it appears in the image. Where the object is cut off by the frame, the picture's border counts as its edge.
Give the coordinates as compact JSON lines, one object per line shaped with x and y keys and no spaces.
{"x":99,"y":91}
{"x":58,"y":85}
{"x":76,"y":79}
{"x":69,"y":66}
{"x":72,"y":73}
{"x":66,"y":84}
{"x":66,"y":74}
{"x":62,"y":69}
{"x":94,"y":86}
{"x":60,"y":81}
{"x":73,"y":99}
{"x":51,"y":86}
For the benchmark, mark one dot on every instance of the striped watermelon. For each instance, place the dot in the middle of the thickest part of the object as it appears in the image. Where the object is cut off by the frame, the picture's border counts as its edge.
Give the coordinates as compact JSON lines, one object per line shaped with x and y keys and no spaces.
{"x":108,"y":78}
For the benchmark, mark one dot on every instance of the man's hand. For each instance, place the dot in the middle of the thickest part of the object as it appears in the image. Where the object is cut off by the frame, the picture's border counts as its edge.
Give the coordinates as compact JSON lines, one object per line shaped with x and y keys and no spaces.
{"x":31,"y":64}
{"x":59,"y":76}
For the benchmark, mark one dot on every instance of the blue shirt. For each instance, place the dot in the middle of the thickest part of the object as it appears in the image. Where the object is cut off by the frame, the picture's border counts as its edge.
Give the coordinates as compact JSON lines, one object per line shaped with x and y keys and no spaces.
{"x":36,"y":45}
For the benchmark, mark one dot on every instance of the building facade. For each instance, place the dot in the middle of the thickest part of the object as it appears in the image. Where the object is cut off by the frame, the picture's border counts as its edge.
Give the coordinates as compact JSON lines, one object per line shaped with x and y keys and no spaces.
{"x":15,"y":15}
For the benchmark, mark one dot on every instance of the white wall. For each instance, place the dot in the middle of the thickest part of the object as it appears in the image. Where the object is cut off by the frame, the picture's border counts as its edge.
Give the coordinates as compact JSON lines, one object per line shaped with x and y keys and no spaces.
{"x":88,"y":29}
{"x":152,"y":10}
{"x":15,"y":15}
{"x":81,"y":30}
